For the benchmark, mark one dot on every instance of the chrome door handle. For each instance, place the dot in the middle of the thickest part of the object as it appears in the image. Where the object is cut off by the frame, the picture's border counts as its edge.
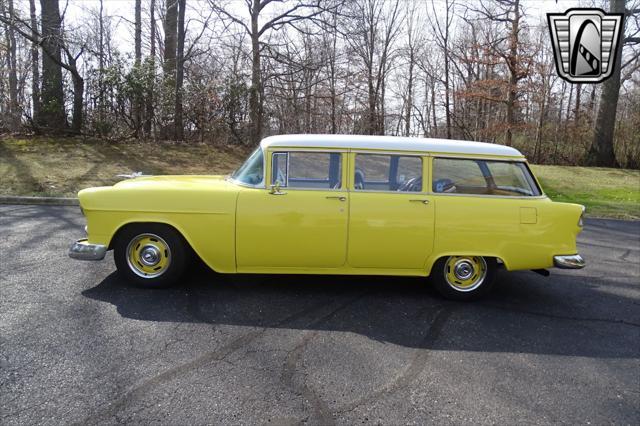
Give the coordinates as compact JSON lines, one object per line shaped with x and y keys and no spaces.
{"x":420,"y":201}
{"x":337,"y":197}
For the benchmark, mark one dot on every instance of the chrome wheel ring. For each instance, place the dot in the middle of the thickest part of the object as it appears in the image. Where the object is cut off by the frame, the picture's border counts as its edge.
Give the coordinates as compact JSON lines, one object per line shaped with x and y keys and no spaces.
{"x":465,"y":273}
{"x":148,"y":255}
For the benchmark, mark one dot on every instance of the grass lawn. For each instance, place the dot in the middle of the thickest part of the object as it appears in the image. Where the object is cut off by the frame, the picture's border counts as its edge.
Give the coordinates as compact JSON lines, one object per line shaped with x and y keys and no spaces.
{"x":61,"y":167}
{"x":605,"y":192}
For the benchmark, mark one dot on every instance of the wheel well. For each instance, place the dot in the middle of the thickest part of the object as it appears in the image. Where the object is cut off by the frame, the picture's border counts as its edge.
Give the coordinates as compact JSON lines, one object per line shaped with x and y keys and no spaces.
{"x":499,"y":262}
{"x":129,"y":225}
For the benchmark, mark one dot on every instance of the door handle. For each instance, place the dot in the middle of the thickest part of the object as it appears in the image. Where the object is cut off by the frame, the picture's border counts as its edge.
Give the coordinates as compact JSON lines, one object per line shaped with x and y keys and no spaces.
{"x":337,"y":197}
{"x":420,"y":201}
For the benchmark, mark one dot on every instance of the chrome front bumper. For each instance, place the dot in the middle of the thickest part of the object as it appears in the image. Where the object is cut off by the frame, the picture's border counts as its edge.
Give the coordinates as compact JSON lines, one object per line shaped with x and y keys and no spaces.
{"x":573,"y":261}
{"x":82,"y":250}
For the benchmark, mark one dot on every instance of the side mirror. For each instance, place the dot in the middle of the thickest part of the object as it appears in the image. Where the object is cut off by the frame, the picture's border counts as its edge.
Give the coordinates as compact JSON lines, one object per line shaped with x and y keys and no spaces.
{"x":275,"y":189}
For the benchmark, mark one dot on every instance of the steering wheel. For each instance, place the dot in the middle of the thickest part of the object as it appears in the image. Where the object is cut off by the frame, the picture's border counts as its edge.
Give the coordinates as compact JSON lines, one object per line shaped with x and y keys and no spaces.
{"x":358,"y":181}
{"x":280,"y":177}
{"x":412,"y":185}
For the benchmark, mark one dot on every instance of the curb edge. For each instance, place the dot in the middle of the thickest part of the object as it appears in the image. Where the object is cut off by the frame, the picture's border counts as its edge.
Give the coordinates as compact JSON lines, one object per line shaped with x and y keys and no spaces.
{"x":46,"y":201}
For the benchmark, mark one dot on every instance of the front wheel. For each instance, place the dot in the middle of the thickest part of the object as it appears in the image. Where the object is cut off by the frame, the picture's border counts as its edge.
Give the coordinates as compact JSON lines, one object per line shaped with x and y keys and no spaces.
{"x":464,"y":277}
{"x":150,"y":255}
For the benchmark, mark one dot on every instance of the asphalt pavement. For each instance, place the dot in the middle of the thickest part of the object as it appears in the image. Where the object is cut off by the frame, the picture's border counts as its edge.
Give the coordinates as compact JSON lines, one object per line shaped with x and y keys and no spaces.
{"x":79,"y":345}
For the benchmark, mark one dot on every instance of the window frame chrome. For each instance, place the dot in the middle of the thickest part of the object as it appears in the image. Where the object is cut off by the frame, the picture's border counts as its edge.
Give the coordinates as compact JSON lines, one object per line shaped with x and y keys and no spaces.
{"x":249,"y":185}
{"x":423,"y":162}
{"x":287,"y":150}
{"x":533,"y":179}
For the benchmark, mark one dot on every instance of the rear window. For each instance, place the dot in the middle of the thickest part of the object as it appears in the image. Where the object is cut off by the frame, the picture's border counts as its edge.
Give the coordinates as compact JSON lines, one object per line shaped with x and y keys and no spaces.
{"x":483,"y":177}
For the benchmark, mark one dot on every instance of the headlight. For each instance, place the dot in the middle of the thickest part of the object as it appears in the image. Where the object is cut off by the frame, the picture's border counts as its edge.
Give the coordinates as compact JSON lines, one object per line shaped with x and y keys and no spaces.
{"x":581,"y":221}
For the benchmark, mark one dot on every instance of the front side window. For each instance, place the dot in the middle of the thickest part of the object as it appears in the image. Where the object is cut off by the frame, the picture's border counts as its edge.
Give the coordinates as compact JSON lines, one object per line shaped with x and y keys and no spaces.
{"x":307,"y":170}
{"x":377,"y":172}
{"x":483,"y":177}
{"x":252,"y":171}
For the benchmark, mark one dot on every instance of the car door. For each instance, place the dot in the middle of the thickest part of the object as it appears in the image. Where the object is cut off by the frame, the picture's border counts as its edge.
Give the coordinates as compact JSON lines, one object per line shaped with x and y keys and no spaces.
{"x":391,"y":215}
{"x":301,"y":221}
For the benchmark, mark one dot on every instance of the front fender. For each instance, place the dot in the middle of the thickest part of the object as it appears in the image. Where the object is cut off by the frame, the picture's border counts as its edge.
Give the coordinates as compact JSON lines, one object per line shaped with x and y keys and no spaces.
{"x":205,"y":216}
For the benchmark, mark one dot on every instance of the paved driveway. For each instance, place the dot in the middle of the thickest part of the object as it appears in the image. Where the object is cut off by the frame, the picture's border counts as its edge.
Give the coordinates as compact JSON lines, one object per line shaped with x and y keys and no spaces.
{"x":79,"y":345}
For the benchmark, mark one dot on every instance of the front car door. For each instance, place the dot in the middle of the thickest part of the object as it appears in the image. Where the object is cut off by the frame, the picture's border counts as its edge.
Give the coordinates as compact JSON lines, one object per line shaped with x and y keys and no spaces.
{"x":302,"y":221}
{"x":391,"y":214}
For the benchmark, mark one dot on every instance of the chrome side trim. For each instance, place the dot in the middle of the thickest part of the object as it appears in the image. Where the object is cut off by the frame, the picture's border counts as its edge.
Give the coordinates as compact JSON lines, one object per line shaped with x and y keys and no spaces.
{"x":573,"y":261}
{"x":82,"y":250}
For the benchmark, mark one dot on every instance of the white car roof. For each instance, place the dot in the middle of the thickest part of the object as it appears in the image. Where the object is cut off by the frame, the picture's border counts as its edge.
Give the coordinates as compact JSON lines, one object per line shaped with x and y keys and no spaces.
{"x":393,"y":143}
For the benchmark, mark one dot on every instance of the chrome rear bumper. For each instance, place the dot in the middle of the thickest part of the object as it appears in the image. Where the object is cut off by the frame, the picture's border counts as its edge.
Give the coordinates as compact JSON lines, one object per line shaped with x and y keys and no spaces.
{"x":82,"y":250}
{"x":573,"y":261}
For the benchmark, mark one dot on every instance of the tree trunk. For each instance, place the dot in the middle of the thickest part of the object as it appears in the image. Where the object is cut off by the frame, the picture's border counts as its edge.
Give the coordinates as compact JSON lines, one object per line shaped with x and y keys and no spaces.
{"x":170,"y":39}
{"x":137,"y":113}
{"x":543,"y":106}
{"x":152,"y":66}
{"x":434,"y":133}
{"x":52,"y":112}
{"x":255,"y":92}
{"x":138,"y":32}
{"x":382,"y":112}
{"x":332,"y":91}
{"x":446,"y":72}
{"x":14,"y":108}
{"x":101,"y":89}
{"x":601,"y":152}
{"x":513,"y":73}
{"x":35,"y":68}
{"x":179,"y":125}
{"x":78,"y":100}
{"x":371,"y":128}
{"x":407,"y":124}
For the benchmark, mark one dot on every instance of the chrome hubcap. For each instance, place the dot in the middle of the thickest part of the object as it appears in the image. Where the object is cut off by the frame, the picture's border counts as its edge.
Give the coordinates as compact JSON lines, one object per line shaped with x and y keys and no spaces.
{"x":149,"y":256}
{"x":463,"y":270}
{"x":465,"y":273}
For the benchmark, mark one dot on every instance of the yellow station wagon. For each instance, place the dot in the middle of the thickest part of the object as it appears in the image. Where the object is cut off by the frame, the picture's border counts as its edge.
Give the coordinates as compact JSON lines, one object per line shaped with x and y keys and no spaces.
{"x":332,"y":204}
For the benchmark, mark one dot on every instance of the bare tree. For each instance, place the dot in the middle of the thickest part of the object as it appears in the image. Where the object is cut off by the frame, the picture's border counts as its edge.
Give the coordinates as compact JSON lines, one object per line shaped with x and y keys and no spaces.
{"x":179,"y":125}
{"x":375,"y":26}
{"x":169,"y":68}
{"x":52,"y":115}
{"x":137,"y":64}
{"x":442,"y":31}
{"x":602,"y":151}
{"x":292,"y":14}
{"x":414,"y":42}
{"x":149,"y":107}
{"x":10,"y":40}
{"x":35,"y":68}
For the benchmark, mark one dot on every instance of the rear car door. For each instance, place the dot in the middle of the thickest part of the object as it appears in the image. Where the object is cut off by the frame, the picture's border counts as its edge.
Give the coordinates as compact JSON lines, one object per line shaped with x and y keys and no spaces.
{"x":391,"y":214}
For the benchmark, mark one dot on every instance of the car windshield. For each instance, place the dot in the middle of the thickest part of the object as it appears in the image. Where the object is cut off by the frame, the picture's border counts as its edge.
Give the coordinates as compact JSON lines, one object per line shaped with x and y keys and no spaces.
{"x":252,"y":171}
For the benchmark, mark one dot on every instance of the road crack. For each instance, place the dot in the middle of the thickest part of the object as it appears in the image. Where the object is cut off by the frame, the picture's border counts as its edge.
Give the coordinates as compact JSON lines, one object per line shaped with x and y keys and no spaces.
{"x":417,"y":365}
{"x":139,"y":391}
{"x":563,"y":317}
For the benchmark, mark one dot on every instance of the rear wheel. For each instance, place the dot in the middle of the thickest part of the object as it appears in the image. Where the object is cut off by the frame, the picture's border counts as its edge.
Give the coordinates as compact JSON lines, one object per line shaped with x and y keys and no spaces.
{"x":464,"y":277}
{"x":150,"y":255}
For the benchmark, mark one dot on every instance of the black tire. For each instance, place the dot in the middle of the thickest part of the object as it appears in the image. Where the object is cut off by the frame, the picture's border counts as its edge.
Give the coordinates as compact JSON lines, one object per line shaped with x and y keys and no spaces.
{"x":173,"y":259}
{"x":455,"y":291}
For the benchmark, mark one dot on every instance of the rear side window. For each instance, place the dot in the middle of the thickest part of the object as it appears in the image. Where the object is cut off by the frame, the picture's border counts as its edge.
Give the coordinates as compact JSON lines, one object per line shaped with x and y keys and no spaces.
{"x":376,"y":172}
{"x":308,"y":170}
{"x":483,"y":177}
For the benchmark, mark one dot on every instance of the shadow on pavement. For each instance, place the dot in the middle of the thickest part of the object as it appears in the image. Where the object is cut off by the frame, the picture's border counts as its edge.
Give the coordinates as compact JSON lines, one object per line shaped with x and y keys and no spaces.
{"x":526,"y":313}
